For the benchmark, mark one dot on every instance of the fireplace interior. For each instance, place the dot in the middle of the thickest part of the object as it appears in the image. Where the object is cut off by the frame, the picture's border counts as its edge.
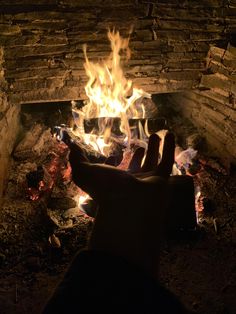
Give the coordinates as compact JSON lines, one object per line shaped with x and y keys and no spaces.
{"x":183,"y":53}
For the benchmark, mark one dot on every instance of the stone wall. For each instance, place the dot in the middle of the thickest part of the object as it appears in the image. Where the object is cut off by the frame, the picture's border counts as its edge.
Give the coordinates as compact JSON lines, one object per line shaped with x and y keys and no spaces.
{"x":9,"y":126}
{"x":213,"y":108}
{"x":169,"y":41}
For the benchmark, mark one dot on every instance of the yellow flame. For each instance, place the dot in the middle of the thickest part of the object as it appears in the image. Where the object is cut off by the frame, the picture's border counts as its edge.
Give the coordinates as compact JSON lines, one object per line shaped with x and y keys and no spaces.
{"x":110,"y":94}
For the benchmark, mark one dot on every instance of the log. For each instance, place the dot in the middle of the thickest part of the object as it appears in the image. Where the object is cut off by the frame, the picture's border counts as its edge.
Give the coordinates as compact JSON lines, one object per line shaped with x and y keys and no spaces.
{"x":154,"y":125}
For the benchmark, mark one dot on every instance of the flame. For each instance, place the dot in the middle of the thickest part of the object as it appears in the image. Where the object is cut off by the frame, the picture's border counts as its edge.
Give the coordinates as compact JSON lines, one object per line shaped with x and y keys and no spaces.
{"x":110,"y":95}
{"x":81,"y":198}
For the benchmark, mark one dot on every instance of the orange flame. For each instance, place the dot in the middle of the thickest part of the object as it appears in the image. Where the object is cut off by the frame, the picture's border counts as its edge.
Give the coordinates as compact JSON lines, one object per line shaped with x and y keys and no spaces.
{"x":110,"y":94}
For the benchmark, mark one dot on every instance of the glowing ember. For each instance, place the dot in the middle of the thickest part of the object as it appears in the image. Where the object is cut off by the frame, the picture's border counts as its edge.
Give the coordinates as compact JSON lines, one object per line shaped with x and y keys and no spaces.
{"x":42,"y":180}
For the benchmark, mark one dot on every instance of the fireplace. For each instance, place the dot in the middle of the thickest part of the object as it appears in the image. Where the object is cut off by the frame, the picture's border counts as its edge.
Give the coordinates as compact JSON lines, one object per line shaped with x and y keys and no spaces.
{"x":183,"y":55}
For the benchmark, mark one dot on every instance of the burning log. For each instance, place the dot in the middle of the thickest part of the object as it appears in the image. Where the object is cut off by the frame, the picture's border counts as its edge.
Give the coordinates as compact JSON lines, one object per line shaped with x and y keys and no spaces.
{"x":93,"y":125}
{"x":65,"y":134}
{"x":96,"y":125}
{"x":153,"y":124}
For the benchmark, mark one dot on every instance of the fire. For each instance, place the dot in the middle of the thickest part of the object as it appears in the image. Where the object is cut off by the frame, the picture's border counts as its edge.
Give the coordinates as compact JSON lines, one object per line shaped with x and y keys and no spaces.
{"x":112,"y":102}
{"x":110,"y":95}
{"x":112,"y":98}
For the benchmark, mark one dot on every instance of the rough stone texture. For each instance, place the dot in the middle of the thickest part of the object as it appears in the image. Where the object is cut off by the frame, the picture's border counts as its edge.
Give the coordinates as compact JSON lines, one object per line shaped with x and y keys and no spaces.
{"x":213,"y":108}
{"x":170,"y":40}
{"x":9,"y":124}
